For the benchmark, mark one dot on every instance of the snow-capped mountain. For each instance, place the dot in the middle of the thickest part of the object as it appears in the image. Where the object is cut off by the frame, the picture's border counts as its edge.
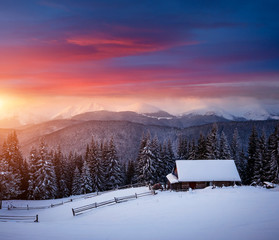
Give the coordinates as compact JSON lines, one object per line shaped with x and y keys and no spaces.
{"x":141,"y":108}
{"x":242,"y":114}
{"x":71,"y":111}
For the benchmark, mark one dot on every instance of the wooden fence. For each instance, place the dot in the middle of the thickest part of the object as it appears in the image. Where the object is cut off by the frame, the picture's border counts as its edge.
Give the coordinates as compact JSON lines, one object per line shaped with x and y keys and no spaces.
{"x":12,"y":207}
{"x":19,"y":218}
{"x":90,"y":195}
{"x":80,"y":210}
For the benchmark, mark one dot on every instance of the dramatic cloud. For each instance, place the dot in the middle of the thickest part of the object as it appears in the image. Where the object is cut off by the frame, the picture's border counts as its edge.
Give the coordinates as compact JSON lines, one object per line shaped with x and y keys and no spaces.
{"x":140,"y":50}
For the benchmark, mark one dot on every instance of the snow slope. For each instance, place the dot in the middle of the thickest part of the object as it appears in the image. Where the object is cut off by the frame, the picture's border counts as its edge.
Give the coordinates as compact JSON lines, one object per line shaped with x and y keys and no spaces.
{"x":228,"y":213}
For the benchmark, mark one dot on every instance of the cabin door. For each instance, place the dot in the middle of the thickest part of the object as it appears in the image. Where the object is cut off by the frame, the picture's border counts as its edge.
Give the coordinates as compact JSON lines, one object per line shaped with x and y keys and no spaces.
{"x":192,"y":185}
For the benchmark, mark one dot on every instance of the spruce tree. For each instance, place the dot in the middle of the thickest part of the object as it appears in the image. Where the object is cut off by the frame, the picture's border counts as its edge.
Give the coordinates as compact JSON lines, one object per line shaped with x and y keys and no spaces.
{"x":130,"y":173}
{"x":57,"y":162}
{"x":69,"y":169}
{"x":86,"y":179}
{"x":157,"y":161}
{"x":224,"y":149}
{"x":33,"y":161}
{"x":148,"y":171}
{"x":114,"y":173}
{"x":192,"y":150}
{"x":140,"y":158}
{"x":270,"y":164}
{"x":201,"y":148}
{"x":212,"y":146}
{"x":9,"y":182}
{"x":77,"y":181}
{"x":96,"y":167}
{"x":242,"y":167}
{"x":182,"y":150}
{"x":13,"y":157}
{"x":235,"y":149}
{"x":254,"y":167}
{"x":45,"y":179}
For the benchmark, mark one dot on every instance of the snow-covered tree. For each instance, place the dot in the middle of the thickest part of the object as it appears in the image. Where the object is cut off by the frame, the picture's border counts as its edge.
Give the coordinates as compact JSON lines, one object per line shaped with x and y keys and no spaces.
{"x":201,"y":148}
{"x":224,"y":148}
{"x":149,"y":167}
{"x":96,"y":167}
{"x":254,"y":167}
{"x":192,"y":150}
{"x":77,"y":181}
{"x":235,"y":149}
{"x":45,"y":179}
{"x":242,"y":167}
{"x":86,"y":179}
{"x":270,"y":162}
{"x":9,"y":182}
{"x":182,"y":150}
{"x":33,"y":162}
{"x":114,"y":173}
{"x":212,"y":146}
{"x":12,"y":155}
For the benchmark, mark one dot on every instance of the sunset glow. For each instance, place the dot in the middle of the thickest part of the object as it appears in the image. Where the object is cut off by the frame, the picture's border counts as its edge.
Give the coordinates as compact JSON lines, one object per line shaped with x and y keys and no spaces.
{"x":178,"y":55}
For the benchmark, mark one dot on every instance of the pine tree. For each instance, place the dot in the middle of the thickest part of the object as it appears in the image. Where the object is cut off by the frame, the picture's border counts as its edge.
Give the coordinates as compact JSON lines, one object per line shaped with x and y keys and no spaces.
{"x":270,"y":163}
{"x":57,"y":162}
{"x":254,"y":167}
{"x":192,"y":150}
{"x":212,"y":143}
{"x":147,"y":160}
{"x":182,"y":150}
{"x":201,"y":148}
{"x":242,"y":167}
{"x":96,"y":168}
{"x":69,"y":169}
{"x":170,"y":157}
{"x":140,"y":159}
{"x":224,"y":149}
{"x":86,"y":179}
{"x":77,"y":181}
{"x":13,"y":157}
{"x":157,"y":161}
{"x":235,"y":149}
{"x":63,"y":185}
{"x":45,"y":179}
{"x":33,"y":161}
{"x":9,"y":183}
{"x":130,"y":173}
{"x":114,"y":179}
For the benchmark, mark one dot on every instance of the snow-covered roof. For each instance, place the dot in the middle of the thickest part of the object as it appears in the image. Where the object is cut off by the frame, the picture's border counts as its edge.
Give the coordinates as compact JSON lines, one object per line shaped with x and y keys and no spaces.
{"x":172,"y":178}
{"x":206,"y":170}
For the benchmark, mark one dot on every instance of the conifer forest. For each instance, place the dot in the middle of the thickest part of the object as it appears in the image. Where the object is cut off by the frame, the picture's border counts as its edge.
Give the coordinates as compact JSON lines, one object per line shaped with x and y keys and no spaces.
{"x":49,"y":173}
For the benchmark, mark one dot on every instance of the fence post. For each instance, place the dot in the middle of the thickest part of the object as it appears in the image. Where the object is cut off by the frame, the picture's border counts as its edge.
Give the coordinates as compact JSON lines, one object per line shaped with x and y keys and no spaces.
{"x":73,"y":212}
{"x":115,"y":199}
{"x":136,"y":195}
{"x":37,"y":218}
{"x":0,"y":204}
{"x":27,"y":207}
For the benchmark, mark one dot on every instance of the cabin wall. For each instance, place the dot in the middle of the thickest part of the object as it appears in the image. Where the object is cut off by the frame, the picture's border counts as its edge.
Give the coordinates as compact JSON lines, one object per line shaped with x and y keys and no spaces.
{"x":199,"y":185}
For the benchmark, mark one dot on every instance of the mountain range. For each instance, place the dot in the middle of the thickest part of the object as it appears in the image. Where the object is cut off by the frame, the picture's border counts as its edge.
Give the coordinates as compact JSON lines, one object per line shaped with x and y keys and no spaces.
{"x":127,"y":128}
{"x":141,"y":113}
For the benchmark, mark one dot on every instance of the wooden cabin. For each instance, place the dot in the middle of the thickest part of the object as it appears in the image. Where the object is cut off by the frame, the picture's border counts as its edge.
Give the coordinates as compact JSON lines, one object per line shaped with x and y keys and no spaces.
{"x":196,"y":174}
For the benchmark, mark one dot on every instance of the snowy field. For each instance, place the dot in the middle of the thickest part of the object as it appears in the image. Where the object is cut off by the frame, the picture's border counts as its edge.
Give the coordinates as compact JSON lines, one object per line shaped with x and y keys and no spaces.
{"x":240,"y":213}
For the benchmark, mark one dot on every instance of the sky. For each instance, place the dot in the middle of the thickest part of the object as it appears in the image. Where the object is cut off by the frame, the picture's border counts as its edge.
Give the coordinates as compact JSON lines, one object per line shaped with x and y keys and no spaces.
{"x":175,"y":55}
